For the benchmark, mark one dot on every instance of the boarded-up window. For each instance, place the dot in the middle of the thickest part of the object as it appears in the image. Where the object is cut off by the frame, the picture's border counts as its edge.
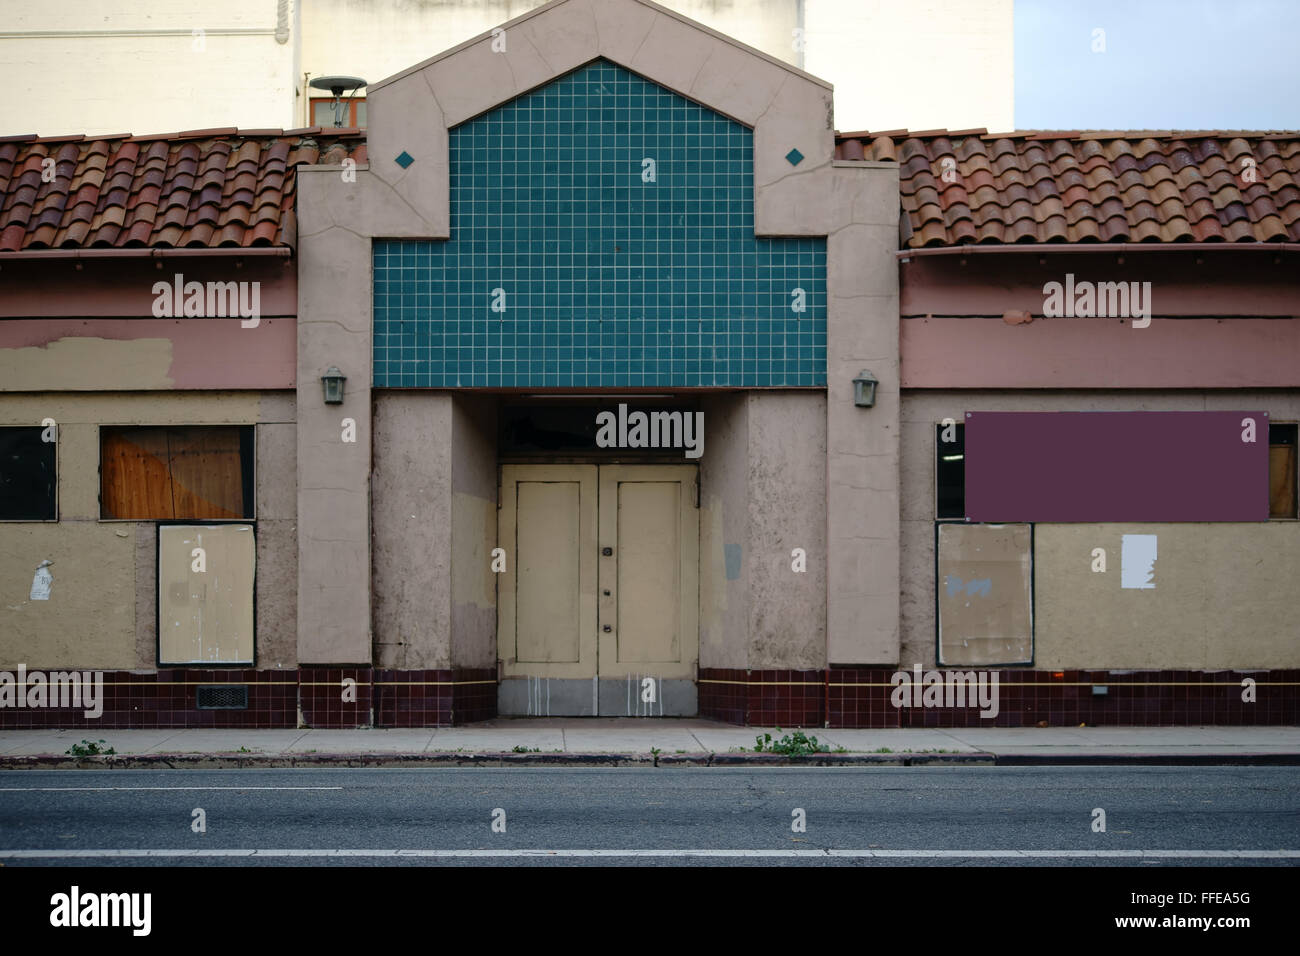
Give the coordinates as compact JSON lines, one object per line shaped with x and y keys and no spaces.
{"x":27,"y":482}
{"x":1282,"y":471}
{"x":176,"y":472}
{"x":985,"y":604}
{"x":205,"y":594}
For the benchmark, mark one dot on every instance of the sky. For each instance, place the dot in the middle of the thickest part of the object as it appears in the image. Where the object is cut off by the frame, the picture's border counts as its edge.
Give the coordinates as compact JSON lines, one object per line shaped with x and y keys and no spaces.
{"x":1158,"y":64}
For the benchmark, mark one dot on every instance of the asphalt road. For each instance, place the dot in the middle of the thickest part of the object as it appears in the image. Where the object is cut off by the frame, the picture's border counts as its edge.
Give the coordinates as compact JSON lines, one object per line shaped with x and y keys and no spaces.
{"x":906,"y":811}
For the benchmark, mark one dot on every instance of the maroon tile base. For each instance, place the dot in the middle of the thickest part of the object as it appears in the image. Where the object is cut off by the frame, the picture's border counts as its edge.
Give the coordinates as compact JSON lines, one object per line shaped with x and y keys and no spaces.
{"x":861,"y":697}
{"x":322,"y":697}
{"x":853,"y":697}
{"x":335,"y":697}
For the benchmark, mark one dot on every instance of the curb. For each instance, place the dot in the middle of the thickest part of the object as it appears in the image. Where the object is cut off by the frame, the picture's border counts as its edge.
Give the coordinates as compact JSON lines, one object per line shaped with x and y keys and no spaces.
{"x":1150,"y":760}
{"x":221,"y":761}
{"x":237,"y":761}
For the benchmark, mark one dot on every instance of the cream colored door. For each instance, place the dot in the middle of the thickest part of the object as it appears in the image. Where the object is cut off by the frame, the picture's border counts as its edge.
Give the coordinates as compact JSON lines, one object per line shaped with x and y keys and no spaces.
{"x":649,"y":571}
{"x":546,"y":599}
{"x":602,"y":571}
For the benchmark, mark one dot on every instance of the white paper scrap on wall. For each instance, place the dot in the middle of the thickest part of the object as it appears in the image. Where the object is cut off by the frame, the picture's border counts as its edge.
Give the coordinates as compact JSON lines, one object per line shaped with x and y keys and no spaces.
{"x":41,"y":582}
{"x":1137,"y":561}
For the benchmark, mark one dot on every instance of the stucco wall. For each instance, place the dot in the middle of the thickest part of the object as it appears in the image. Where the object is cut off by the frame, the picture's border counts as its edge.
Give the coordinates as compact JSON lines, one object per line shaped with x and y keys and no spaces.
{"x":787,"y":510}
{"x":473,"y":532}
{"x":724,"y":528}
{"x":434,"y":527}
{"x":862,"y":443}
{"x":101,"y":611}
{"x":411,"y":524}
{"x":763,"y":483}
{"x":1224,"y":595}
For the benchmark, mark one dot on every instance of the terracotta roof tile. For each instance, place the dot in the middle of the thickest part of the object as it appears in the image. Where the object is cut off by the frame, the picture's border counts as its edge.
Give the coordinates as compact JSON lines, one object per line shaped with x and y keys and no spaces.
{"x":204,"y":188}
{"x":227,"y":188}
{"x":1095,"y":186}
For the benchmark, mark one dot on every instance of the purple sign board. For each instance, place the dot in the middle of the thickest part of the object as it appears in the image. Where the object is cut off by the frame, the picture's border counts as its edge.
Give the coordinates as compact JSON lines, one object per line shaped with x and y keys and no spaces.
{"x":1116,"y":466}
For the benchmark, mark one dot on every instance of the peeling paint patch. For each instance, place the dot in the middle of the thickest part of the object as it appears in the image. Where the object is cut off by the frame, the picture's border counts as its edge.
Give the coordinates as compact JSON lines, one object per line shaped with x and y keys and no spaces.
{"x":1138,"y":561}
{"x":88,"y":363}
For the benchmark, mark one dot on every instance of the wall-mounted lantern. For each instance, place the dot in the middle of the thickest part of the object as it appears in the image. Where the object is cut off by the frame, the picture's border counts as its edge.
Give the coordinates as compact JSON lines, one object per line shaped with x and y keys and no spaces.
{"x":333,"y":381}
{"x":864,"y":389}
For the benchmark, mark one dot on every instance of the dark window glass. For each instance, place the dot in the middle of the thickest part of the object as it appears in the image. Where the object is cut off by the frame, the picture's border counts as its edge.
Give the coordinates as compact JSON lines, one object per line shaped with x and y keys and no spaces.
{"x":27,"y":480}
{"x":1282,"y":470}
{"x":560,"y":428}
{"x":950,"y":471}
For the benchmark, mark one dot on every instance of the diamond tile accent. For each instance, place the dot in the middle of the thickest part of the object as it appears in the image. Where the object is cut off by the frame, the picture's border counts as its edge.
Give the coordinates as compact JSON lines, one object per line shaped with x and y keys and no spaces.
{"x":795,"y":157}
{"x":404,"y":159}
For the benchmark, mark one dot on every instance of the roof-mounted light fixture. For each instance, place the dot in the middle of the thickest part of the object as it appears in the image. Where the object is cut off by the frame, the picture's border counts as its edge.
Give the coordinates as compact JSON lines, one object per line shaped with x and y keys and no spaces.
{"x":336,"y":85}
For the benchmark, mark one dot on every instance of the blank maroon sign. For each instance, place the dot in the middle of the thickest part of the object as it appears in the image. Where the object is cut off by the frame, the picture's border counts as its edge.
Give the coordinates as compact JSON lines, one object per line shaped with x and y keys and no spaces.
{"x":1116,"y":466}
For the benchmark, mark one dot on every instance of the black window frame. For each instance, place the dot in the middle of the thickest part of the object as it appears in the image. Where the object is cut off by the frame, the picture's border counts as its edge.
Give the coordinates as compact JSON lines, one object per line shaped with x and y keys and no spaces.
{"x":954,"y":469}
{"x":49,"y":512}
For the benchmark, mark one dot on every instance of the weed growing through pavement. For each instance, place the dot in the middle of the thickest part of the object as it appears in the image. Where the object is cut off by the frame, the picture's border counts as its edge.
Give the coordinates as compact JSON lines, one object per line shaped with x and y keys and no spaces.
{"x":89,"y":748}
{"x":797,"y":744}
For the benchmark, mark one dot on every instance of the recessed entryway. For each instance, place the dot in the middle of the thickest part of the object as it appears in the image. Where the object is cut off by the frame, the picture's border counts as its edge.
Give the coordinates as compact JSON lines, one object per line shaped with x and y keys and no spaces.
{"x":598,"y":609}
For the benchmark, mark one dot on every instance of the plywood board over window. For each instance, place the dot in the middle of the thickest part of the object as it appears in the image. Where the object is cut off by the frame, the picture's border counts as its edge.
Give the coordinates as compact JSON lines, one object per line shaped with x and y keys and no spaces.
{"x":1282,"y":470}
{"x":205,"y":594}
{"x":176,"y":472}
{"x":985,"y":594}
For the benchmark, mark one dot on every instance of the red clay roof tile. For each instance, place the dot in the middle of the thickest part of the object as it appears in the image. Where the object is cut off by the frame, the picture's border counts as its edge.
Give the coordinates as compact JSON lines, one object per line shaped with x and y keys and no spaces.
{"x":231,"y":188}
{"x":1109,"y":186}
{"x":194,"y":188}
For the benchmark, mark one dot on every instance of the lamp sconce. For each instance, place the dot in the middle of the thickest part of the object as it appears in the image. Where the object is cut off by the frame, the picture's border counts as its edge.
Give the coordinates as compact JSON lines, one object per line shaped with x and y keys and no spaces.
{"x":864,"y":389}
{"x":332,"y":381}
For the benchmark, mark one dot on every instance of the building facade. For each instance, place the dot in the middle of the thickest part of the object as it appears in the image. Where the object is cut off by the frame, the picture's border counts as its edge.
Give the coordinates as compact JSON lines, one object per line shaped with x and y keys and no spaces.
{"x":149,"y":65}
{"x":601,"y":376}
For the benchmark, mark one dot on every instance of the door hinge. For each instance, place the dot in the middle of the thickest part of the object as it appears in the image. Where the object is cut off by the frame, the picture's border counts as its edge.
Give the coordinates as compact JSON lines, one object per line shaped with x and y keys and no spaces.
{"x":697,"y":491}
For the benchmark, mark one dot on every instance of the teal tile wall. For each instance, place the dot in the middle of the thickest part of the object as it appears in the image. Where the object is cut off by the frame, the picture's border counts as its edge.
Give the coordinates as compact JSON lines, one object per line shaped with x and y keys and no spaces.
{"x":608,"y":280}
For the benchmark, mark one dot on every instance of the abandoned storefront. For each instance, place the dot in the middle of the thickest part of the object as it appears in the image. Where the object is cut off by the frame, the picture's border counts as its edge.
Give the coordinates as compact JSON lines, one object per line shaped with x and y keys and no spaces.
{"x":601,"y":376}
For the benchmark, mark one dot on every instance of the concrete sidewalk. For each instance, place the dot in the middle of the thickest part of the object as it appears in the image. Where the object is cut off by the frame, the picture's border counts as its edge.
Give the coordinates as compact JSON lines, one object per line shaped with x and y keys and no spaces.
{"x":659,"y":742}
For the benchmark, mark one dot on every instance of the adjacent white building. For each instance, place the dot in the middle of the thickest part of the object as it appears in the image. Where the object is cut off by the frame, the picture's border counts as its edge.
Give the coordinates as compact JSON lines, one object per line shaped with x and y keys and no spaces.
{"x":152,"y":66}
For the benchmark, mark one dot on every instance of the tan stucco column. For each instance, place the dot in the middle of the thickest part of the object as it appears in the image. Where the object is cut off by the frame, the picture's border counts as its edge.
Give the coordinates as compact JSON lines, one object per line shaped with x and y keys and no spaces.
{"x":334,"y":329}
{"x":862,"y":444}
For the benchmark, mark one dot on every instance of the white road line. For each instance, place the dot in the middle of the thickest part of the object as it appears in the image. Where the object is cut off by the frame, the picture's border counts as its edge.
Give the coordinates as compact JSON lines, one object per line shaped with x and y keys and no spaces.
{"x":779,"y":854}
{"x":63,"y":789}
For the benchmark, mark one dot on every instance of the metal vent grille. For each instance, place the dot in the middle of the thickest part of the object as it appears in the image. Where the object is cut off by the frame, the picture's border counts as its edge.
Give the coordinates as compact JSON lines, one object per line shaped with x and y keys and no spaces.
{"x":219,"y":697}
